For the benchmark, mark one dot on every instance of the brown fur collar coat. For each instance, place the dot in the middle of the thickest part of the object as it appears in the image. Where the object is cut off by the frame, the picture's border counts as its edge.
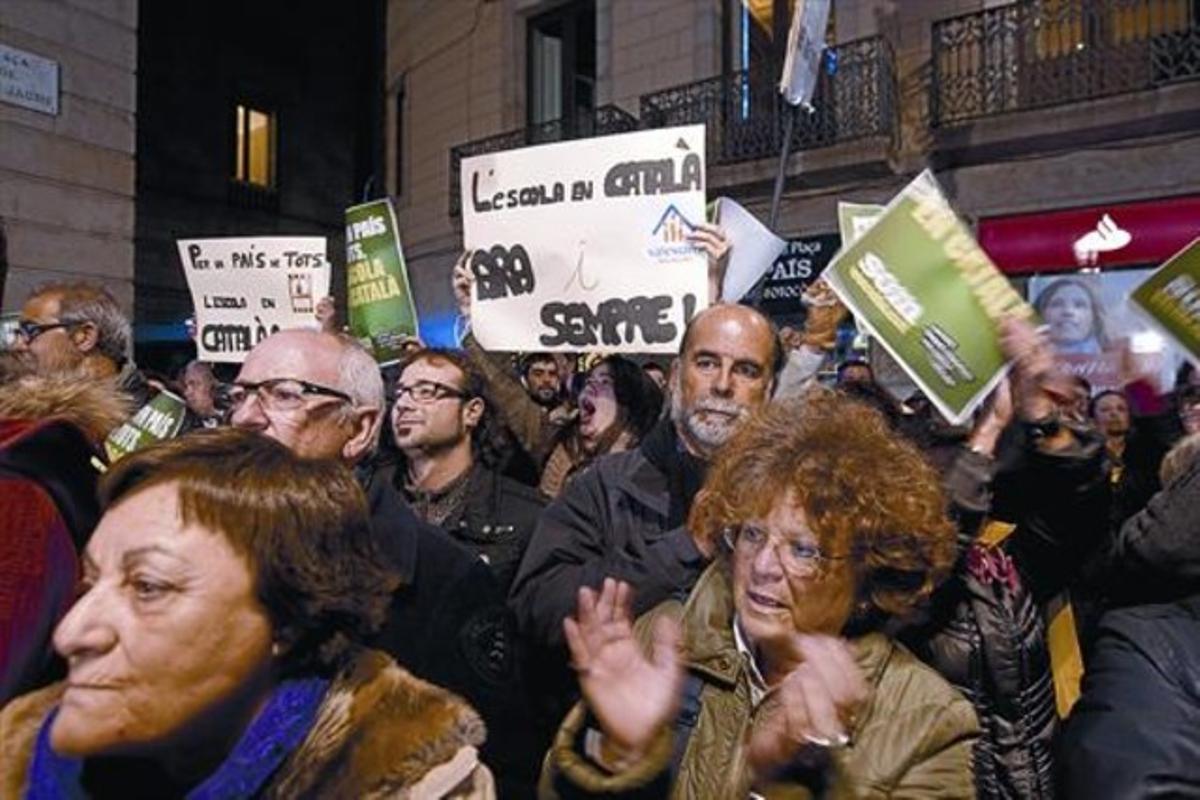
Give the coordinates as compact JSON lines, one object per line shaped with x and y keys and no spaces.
{"x":380,"y":732}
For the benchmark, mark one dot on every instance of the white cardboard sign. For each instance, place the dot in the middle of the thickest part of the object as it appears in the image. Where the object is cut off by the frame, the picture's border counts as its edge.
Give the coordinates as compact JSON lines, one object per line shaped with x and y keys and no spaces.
{"x":246,"y":288}
{"x":583,"y":245}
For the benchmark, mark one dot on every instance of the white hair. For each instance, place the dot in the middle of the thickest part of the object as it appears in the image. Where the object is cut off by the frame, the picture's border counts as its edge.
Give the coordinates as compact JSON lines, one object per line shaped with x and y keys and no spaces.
{"x":359,"y":377}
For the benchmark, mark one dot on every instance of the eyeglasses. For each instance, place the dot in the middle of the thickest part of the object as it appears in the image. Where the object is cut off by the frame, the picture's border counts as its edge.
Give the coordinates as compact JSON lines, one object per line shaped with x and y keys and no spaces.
{"x":29,"y":330}
{"x":279,"y":394}
{"x":425,"y":392}
{"x":799,"y":558}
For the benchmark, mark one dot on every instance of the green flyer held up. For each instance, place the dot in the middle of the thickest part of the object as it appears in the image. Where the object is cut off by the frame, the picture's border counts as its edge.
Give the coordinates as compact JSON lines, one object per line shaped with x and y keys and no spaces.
{"x":382,"y":312}
{"x":160,"y":419}
{"x":1170,"y":298}
{"x":922,"y":286}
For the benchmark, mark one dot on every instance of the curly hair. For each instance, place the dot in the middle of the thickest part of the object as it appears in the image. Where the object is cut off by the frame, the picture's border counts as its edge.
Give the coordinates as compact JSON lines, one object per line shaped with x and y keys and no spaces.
{"x":302,"y":527}
{"x":855,"y":480}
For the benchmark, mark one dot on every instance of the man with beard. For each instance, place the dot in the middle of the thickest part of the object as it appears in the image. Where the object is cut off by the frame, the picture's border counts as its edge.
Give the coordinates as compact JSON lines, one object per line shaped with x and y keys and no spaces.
{"x":625,"y":517}
{"x":539,"y":374}
{"x":443,"y":424}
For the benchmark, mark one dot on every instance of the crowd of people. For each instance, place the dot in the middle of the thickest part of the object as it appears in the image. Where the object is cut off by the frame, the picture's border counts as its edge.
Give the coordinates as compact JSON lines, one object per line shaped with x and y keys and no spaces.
{"x":471,"y":575}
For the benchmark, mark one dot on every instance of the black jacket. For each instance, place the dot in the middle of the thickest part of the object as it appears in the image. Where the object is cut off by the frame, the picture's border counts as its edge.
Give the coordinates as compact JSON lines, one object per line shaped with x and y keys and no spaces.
{"x":496,"y":521}
{"x":1135,"y":732}
{"x":448,"y":623}
{"x":622,"y":517}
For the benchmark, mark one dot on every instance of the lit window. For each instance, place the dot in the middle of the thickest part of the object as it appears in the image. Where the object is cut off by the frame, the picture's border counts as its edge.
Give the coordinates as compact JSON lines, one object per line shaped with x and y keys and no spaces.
{"x":254,"y":160}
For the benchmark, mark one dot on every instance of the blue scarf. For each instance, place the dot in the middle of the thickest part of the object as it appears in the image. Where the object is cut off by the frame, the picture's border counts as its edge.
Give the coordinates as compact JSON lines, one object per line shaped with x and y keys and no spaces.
{"x":277,"y":730}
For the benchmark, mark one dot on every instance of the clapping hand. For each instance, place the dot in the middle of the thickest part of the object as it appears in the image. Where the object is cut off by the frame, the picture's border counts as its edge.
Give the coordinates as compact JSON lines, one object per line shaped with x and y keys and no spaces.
{"x":632,"y":697}
{"x":814,"y":707}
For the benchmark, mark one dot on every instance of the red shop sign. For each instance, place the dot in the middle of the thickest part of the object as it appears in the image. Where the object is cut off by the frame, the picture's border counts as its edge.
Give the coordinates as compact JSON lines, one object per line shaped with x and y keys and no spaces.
{"x":1122,"y":234}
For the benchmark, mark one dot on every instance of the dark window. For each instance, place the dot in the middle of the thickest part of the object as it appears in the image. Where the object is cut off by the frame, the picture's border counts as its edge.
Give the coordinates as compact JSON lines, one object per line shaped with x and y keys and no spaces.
{"x":561,"y":68}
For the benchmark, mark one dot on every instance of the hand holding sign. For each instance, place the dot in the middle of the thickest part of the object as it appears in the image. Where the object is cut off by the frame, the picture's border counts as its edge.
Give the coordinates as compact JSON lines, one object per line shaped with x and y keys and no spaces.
{"x":712,"y":240}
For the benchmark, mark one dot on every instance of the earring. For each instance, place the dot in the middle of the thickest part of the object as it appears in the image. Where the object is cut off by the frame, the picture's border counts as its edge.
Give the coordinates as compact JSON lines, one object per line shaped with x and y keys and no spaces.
{"x":276,"y":649}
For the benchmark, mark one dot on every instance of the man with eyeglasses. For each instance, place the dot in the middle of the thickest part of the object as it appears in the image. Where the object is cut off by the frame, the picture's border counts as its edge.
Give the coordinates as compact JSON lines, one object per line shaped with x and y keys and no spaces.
{"x":78,"y":328}
{"x":445,"y":426}
{"x":625,"y":517}
{"x":321,"y":394}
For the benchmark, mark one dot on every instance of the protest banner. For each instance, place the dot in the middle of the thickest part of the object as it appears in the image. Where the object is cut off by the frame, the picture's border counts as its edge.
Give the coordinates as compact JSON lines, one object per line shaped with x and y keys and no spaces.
{"x":855,"y":219}
{"x":161,"y":418}
{"x":246,"y":288}
{"x":378,"y":295}
{"x":1170,"y":299}
{"x":583,"y":245}
{"x":921,"y":285}
{"x":752,"y":249}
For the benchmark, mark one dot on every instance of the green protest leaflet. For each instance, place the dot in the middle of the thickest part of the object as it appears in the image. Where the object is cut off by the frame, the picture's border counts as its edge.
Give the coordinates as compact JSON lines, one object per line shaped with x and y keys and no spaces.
{"x":855,"y":219}
{"x":379,"y":298}
{"x":1170,"y":298}
{"x":922,"y":286}
{"x":161,"y":418}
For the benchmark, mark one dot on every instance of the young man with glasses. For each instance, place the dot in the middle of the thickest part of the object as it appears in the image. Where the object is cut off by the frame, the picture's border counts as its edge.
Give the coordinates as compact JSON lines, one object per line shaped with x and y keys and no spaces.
{"x":444,"y":426}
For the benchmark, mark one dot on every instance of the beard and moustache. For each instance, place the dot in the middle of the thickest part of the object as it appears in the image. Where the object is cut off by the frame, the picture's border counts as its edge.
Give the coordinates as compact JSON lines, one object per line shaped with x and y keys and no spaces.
{"x":710,"y":422}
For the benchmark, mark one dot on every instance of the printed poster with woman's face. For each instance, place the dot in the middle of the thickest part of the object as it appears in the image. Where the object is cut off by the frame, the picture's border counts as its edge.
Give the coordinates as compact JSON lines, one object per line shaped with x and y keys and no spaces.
{"x":1096,"y":332}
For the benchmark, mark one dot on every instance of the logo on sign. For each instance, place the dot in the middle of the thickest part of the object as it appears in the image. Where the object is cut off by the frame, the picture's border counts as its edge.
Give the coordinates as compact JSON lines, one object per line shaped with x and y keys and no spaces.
{"x":670,"y":236}
{"x":300,"y":290}
{"x":1107,"y":237}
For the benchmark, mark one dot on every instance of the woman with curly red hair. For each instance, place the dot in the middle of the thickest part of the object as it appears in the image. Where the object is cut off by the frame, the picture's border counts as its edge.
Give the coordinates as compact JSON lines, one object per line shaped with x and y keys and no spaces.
{"x":777,"y":676}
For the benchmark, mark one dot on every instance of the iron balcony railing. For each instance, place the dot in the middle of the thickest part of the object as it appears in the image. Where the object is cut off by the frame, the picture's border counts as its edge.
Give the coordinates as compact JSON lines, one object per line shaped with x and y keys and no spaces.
{"x":605,"y":120}
{"x":1039,"y":53}
{"x":855,"y":98}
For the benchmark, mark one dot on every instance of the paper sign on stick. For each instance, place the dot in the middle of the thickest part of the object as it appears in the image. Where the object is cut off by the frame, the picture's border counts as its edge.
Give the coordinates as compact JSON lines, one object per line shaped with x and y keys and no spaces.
{"x":161,"y":418}
{"x":752,"y":249}
{"x":802,"y":59}
{"x":923,"y":287}
{"x":1170,"y":298}
{"x":246,"y":288}
{"x":583,"y":245}
{"x":379,"y":298}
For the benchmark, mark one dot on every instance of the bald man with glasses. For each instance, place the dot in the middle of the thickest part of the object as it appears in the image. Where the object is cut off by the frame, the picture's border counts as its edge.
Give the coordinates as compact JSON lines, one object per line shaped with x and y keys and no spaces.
{"x":321,"y":394}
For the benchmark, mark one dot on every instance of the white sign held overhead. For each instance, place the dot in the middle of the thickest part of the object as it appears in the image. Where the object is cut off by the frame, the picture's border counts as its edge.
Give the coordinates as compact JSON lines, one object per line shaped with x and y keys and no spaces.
{"x":584,"y":245}
{"x":806,"y":42}
{"x":246,"y":288}
{"x":28,"y":80}
{"x":752,"y":249}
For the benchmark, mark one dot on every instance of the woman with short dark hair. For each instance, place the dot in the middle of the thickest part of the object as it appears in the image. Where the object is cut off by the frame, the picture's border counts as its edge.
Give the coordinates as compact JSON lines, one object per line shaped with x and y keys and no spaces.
{"x":216,"y":646}
{"x":778,"y":676}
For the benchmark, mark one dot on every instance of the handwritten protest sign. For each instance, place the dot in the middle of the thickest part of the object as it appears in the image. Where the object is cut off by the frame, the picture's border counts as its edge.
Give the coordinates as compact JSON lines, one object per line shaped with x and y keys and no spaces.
{"x":583,"y":245}
{"x":161,"y":418}
{"x":379,"y":298}
{"x":922,"y":286}
{"x":1170,"y":299}
{"x":246,"y":288}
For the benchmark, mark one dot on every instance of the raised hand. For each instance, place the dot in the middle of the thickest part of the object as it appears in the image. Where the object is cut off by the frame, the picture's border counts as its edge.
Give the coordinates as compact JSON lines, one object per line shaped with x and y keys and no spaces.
{"x":327,"y":314}
{"x":711,"y":239}
{"x":633,"y":697}
{"x":462,"y":282}
{"x":1039,"y":388}
{"x":824,"y":313}
{"x":814,"y":707}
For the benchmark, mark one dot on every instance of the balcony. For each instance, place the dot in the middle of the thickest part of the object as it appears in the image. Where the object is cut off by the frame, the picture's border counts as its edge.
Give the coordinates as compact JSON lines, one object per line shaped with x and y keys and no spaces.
{"x":855,"y":99}
{"x":1035,"y":54}
{"x":605,"y":120}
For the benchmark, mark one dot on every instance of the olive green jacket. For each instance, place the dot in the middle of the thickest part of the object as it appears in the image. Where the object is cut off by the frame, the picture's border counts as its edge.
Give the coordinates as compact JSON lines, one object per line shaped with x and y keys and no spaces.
{"x":912,"y":740}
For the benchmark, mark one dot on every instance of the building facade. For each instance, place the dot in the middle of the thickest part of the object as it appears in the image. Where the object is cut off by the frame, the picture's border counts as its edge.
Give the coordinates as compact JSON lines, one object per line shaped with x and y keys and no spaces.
{"x":257,"y":119}
{"x":1023,"y":109}
{"x":68,"y":111}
